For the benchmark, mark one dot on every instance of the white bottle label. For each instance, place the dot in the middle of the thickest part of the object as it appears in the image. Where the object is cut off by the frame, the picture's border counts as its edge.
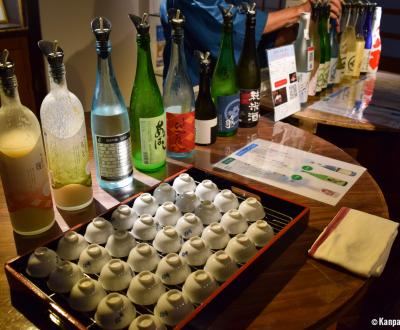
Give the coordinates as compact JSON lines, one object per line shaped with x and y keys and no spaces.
{"x":203,"y":130}
{"x":303,"y":80}
{"x":310,"y":58}
{"x":312,"y":86}
{"x":114,"y":156}
{"x":153,"y":139}
{"x":332,"y":70}
{"x":365,"y":60}
{"x":322,"y":73}
{"x":350,"y":59}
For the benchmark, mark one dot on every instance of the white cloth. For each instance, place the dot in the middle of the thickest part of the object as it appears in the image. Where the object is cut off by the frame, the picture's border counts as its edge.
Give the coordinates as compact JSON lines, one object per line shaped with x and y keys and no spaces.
{"x":357,"y":241}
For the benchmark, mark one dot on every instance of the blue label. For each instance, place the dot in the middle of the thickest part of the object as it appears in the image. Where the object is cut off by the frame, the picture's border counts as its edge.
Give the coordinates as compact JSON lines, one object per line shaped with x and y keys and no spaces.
{"x":246,"y":149}
{"x":228,"y":112}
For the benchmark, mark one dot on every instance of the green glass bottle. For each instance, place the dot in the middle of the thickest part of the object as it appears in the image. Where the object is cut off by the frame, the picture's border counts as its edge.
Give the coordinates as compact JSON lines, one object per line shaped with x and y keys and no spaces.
{"x":248,"y":73}
{"x":146,"y":111}
{"x":327,"y":45}
{"x":312,"y":86}
{"x":224,"y":86}
{"x":324,"y":60}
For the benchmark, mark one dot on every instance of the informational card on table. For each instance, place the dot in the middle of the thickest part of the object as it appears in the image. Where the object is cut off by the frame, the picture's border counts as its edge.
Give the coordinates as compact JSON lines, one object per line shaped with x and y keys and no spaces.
{"x":356,"y":102}
{"x":283,"y":78}
{"x":321,"y":178}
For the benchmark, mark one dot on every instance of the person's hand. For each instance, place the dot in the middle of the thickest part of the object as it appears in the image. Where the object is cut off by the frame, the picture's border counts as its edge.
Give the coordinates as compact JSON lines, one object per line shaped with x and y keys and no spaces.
{"x":336,"y":9}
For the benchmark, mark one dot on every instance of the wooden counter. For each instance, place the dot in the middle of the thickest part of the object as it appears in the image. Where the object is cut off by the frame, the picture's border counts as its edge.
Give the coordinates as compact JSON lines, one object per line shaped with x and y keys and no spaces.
{"x":294,"y":291}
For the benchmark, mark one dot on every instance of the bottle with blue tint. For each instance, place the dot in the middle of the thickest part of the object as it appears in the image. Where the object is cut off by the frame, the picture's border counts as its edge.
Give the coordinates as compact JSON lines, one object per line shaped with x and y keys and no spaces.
{"x":367,"y":30}
{"x":109,"y":117}
{"x":333,"y":39}
{"x":178,"y":95}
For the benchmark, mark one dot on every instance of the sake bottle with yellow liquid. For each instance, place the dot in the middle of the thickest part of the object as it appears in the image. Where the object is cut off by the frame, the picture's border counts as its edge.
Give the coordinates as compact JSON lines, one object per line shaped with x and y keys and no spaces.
{"x":64,"y":134}
{"x":22,"y":159}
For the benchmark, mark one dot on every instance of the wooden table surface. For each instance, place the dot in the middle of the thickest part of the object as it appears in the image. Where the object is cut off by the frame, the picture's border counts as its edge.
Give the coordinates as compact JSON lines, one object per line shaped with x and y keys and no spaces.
{"x":384,"y":87}
{"x":294,"y":291}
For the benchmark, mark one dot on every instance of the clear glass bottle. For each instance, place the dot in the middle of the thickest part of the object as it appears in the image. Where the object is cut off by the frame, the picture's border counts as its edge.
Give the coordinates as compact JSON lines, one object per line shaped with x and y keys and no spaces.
{"x":224,"y":85}
{"x":360,"y":42}
{"x":23,"y":166}
{"x":351,"y":42}
{"x":146,"y":112}
{"x":367,"y":30}
{"x":178,"y":94}
{"x":301,"y":46}
{"x":64,"y":134}
{"x":206,"y":113}
{"x":248,"y":73}
{"x":312,"y":86}
{"x":109,"y":117}
{"x":375,"y":55}
{"x":341,"y":65}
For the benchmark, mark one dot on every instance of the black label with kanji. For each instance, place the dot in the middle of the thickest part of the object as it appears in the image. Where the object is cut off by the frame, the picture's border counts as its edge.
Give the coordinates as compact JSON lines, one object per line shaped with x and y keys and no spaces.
{"x":249,"y":106}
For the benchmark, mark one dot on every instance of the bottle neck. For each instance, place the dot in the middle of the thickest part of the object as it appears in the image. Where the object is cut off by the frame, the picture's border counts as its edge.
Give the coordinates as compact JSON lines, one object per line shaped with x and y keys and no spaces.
{"x":227,"y":43}
{"x":9,"y":91}
{"x":250,"y":37}
{"x":105,"y":73}
{"x":144,"y":66}
{"x":304,"y":27}
{"x":204,"y":82}
{"x":177,"y":51}
{"x":57,"y":78}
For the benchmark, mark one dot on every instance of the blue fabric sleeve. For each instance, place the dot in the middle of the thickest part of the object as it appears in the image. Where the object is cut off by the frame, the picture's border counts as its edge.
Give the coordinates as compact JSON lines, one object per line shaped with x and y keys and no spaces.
{"x":203,"y":30}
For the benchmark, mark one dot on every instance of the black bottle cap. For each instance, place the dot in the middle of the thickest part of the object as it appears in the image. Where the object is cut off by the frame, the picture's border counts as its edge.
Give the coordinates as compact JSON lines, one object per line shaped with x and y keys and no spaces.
{"x":204,"y":59}
{"x":101,"y":27}
{"x":227,"y":13}
{"x":250,"y":11}
{"x":7,"y":67}
{"x":55,"y":56}
{"x":141,"y":23}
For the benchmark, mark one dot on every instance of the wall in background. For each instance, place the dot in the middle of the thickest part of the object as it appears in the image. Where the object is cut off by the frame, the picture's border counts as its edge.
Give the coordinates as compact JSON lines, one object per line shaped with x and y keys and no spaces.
{"x":68,"y":21}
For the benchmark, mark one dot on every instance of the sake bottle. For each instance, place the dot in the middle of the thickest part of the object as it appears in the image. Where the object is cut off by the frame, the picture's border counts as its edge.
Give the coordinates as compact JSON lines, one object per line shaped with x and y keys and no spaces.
{"x":109,"y":118}
{"x":367,"y":30}
{"x":64,"y":134}
{"x":351,"y":42}
{"x":375,"y":54}
{"x":146,"y":111}
{"x":301,"y":45}
{"x":22,"y":159}
{"x":248,"y":73}
{"x":360,"y":42}
{"x":312,"y":86}
{"x":224,"y":85}
{"x":341,"y":65}
{"x":205,"y":111}
{"x":333,"y":40}
{"x":178,"y":94}
{"x":322,"y":80}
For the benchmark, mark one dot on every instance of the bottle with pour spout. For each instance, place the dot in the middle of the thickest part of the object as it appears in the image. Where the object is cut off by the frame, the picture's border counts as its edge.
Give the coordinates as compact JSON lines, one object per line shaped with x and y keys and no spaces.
{"x":64,"y":135}
{"x":22,"y":159}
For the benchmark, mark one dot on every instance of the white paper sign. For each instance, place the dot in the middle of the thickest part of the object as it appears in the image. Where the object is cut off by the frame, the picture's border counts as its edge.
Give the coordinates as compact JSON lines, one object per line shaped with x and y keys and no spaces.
{"x":301,"y":172}
{"x":284,"y":83}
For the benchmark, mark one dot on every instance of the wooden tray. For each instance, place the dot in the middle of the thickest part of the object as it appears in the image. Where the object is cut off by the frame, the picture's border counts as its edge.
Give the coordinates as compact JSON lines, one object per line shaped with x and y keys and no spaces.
{"x":288,"y":219}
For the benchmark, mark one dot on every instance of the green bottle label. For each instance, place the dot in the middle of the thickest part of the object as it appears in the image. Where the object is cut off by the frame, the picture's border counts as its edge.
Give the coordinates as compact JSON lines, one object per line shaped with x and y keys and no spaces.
{"x":228,"y":108}
{"x":152,"y":139}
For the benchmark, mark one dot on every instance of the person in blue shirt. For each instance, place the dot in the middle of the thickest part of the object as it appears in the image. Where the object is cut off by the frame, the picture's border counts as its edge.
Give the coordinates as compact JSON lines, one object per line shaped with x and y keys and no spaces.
{"x":203,"y":28}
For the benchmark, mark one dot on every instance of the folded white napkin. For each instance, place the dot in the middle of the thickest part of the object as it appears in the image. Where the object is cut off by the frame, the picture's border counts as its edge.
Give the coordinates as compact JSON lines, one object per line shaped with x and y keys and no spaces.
{"x":357,"y":241}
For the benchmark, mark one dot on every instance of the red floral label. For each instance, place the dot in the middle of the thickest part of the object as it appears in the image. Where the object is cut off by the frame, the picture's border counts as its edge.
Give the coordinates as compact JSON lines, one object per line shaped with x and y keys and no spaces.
{"x":180,"y":132}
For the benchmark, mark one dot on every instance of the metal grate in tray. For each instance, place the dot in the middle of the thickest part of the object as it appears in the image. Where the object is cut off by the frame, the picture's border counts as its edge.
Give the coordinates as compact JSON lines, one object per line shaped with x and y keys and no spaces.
{"x":276,"y":219}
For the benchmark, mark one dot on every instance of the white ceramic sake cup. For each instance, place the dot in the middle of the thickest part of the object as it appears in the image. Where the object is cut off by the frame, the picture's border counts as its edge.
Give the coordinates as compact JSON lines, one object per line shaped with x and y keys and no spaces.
{"x":226,"y":200}
{"x":198,"y":286}
{"x":172,"y":269}
{"x":115,"y":275}
{"x":207,"y":212}
{"x":143,"y":257}
{"x":206,"y":190}
{"x":233,"y":222}
{"x":114,"y":311}
{"x":167,"y":214}
{"x":145,"y":289}
{"x":215,"y":236}
{"x":145,"y":204}
{"x":147,"y":322}
{"x":144,"y":228}
{"x":42,"y":262}
{"x":164,"y":193}
{"x":86,"y":294}
{"x":71,"y":245}
{"x":195,"y":251}
{"x":120,"y":243}
{"x":252,"y":209}
{"x":187,"y":202}
{"x":98,"y":231}
{"x":189,"y":225}
{"x":167,"y":240}
{"x":221,"y":266}
{"x":123,"y":217}
{"x":260,"y":233}
{"x":93,"y":258}
{"x":64,"y":277}
{"x":240,"y":248}
{"x":172,"y":307}
{"x":184,"y":183}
